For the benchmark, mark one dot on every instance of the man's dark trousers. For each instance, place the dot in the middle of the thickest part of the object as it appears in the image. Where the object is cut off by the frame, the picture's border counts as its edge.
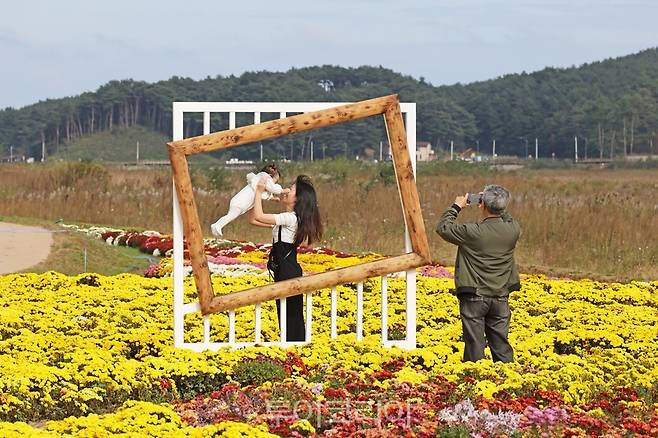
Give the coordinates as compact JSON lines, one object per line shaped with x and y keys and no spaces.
{"x":488,"y":316}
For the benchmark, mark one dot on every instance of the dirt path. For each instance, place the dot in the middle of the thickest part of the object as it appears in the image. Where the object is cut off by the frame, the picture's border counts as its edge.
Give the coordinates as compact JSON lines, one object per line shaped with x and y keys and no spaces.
{"x":22,"y":246}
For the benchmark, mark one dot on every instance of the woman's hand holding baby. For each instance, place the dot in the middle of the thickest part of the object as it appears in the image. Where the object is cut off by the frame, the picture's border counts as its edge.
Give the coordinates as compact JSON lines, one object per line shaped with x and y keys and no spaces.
{"x":260,"y":186}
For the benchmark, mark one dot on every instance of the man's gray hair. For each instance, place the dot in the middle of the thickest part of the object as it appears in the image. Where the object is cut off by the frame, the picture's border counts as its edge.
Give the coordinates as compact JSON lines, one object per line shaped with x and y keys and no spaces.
{"x":495,"y":198}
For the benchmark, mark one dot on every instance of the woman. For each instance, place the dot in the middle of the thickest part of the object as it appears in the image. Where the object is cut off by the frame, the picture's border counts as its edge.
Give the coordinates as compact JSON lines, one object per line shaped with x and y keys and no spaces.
{"x":299,"y":223}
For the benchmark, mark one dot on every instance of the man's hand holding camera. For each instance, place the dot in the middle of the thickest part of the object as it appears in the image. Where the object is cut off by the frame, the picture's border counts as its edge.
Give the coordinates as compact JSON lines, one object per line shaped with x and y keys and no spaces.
{"x":468,"y":199}
{"x":461,"y":201}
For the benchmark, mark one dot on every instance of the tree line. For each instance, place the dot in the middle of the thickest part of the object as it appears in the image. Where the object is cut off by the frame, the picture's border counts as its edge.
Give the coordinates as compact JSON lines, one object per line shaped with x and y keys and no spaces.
{"x":611,"y":106}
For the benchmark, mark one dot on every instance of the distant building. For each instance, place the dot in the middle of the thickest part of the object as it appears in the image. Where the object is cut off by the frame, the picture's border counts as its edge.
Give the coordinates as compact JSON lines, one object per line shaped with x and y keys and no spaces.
{"x":424,"y":151}
{"x":236,"y":162}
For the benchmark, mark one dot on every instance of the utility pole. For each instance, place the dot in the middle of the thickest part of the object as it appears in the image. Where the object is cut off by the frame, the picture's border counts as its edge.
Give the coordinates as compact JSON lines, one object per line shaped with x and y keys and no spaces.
{"x":261,"y":152}
{"x":11,"y":153}
{"x":137,"y":154}
{"x":43,"y":150}
{"x":311,"y":150}
{"x":324,"y":148}
{"x":451,"y":149}
{"x":536,"y":148}
{"x":493,"y":153}
{"x":575,"y":147}
{"x":381,"y":145}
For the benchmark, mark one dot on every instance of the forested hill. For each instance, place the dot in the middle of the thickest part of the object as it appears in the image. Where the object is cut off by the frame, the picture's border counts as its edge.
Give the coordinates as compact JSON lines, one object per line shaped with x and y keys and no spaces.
{"x":599,"y":101}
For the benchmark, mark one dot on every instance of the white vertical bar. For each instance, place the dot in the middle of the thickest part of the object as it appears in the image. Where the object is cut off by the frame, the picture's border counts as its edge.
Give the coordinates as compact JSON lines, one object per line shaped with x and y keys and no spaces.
{"x":410,"y":275}
{"x":231,"y":120}
{"x":536,"y":148}
{"x":206,"y":329}
{"x":256,"y":117}
{"x":384,"y":308}
{"x":206,"y":123}
{"x":309,"y":315}
{"x":257,"y":318}
{"x":359,"y":311}
{"x":283,"y":320}
{"x":178,"y":270}
{"x":231,"y":327}
{"x":282,"y":115}
{"x":333,"y":312}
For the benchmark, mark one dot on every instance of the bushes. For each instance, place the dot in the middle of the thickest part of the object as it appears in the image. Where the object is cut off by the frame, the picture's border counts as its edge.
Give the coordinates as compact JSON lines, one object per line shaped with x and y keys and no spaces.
{"x":189,"y":386}
{"x":258,"y":371}
{"x":80,"y":175}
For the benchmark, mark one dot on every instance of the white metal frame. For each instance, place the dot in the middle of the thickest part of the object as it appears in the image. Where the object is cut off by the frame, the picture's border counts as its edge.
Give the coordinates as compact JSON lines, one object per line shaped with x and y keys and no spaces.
{"x":181,"y":309}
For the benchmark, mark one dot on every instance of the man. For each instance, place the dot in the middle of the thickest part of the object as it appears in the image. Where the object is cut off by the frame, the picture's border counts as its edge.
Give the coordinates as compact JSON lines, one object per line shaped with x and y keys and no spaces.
{"x":485,"y":271}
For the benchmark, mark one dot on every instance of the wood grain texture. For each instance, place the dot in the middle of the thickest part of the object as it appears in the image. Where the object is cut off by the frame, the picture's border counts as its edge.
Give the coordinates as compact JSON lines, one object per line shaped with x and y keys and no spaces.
{"x":315,"y":282}
{"x":388,"y":106}
{"x":404,"y":172}
{"x":280,"y":127}
{"x":191,"y":222}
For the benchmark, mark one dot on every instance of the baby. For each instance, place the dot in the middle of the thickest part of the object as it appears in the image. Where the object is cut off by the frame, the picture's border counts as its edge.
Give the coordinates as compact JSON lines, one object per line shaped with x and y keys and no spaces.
{"x":243,"y":201}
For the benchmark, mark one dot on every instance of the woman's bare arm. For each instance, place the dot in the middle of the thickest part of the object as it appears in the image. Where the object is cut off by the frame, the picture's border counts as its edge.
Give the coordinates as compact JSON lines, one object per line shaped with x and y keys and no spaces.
{"x":253,"y":221}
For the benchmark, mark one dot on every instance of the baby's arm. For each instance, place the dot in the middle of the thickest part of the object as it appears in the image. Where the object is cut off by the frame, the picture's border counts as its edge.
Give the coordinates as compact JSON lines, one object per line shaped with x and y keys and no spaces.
{"x":272,"y":187}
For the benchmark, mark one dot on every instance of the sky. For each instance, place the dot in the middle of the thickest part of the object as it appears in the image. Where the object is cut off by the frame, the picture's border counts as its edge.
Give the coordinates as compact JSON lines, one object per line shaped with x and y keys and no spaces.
{"x":52,"y":49}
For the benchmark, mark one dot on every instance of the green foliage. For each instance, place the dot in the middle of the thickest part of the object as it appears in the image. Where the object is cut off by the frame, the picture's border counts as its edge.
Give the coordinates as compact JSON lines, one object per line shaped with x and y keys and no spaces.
{"x":649,"y":163}
{"x":117,"y":144}
{"x":79,"y":175}
{"x":550,"y":164}
{"x":387,"y":174}
{"x":189,"y":386}
{"x":258,"y":371}
{"x":596,"y":101}
{"x":218,"y":177}
{"x":456,"y":167}
{"x":460,"y":431}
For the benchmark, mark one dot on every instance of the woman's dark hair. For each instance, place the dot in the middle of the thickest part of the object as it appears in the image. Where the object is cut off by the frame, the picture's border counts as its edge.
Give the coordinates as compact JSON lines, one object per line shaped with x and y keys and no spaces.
{"x":272,"y":169}
{"x":309,"y":225}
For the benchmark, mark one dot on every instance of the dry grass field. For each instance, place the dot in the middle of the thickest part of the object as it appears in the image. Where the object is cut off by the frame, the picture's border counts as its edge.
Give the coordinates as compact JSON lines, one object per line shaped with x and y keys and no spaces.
{"x":576,"y":222}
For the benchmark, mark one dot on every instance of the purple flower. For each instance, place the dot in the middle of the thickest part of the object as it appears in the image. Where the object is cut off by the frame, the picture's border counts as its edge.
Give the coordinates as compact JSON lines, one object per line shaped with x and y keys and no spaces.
{"x":435,"y":271}
{"x":464,"y":413}
{"x":544,"y":417}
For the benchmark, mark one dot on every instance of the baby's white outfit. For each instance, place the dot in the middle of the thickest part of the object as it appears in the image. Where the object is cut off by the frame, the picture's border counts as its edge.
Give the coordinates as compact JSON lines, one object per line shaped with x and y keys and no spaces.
{"x":243,"y":201}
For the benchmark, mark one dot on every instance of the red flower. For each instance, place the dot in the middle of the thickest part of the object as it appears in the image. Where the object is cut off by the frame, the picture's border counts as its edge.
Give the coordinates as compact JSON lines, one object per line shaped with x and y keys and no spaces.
{"x":335,"y":393}
{"x":165,"y":384}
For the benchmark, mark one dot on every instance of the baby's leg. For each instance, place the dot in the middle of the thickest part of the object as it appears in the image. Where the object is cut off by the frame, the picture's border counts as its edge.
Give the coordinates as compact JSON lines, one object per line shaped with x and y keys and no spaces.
{"x":233,"y":212}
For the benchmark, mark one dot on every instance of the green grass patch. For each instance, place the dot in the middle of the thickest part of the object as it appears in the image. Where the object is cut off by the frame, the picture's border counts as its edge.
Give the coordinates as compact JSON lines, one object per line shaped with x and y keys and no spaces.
{"x":120,"y":145}
{"x":67,"y":254}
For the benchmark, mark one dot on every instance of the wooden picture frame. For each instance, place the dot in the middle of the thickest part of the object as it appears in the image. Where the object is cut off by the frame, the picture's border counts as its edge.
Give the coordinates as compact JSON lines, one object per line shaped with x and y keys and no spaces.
{"x":389,"y":107}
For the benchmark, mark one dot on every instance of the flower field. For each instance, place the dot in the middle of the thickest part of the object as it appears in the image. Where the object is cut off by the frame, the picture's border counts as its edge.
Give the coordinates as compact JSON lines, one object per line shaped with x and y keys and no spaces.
{"x":91,"y":355}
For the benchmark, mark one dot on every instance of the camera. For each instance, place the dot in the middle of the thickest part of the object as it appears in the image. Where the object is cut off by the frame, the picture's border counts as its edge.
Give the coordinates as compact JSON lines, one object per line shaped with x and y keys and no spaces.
{"x":474,"y":198}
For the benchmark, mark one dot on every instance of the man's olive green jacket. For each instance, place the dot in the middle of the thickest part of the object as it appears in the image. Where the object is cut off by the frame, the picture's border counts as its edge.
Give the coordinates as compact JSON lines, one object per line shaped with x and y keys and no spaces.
{"x":485,"y":258}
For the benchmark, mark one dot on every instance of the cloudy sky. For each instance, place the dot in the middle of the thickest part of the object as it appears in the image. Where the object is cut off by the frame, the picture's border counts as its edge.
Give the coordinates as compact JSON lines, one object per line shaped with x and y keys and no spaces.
{"x":51,"y":49}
